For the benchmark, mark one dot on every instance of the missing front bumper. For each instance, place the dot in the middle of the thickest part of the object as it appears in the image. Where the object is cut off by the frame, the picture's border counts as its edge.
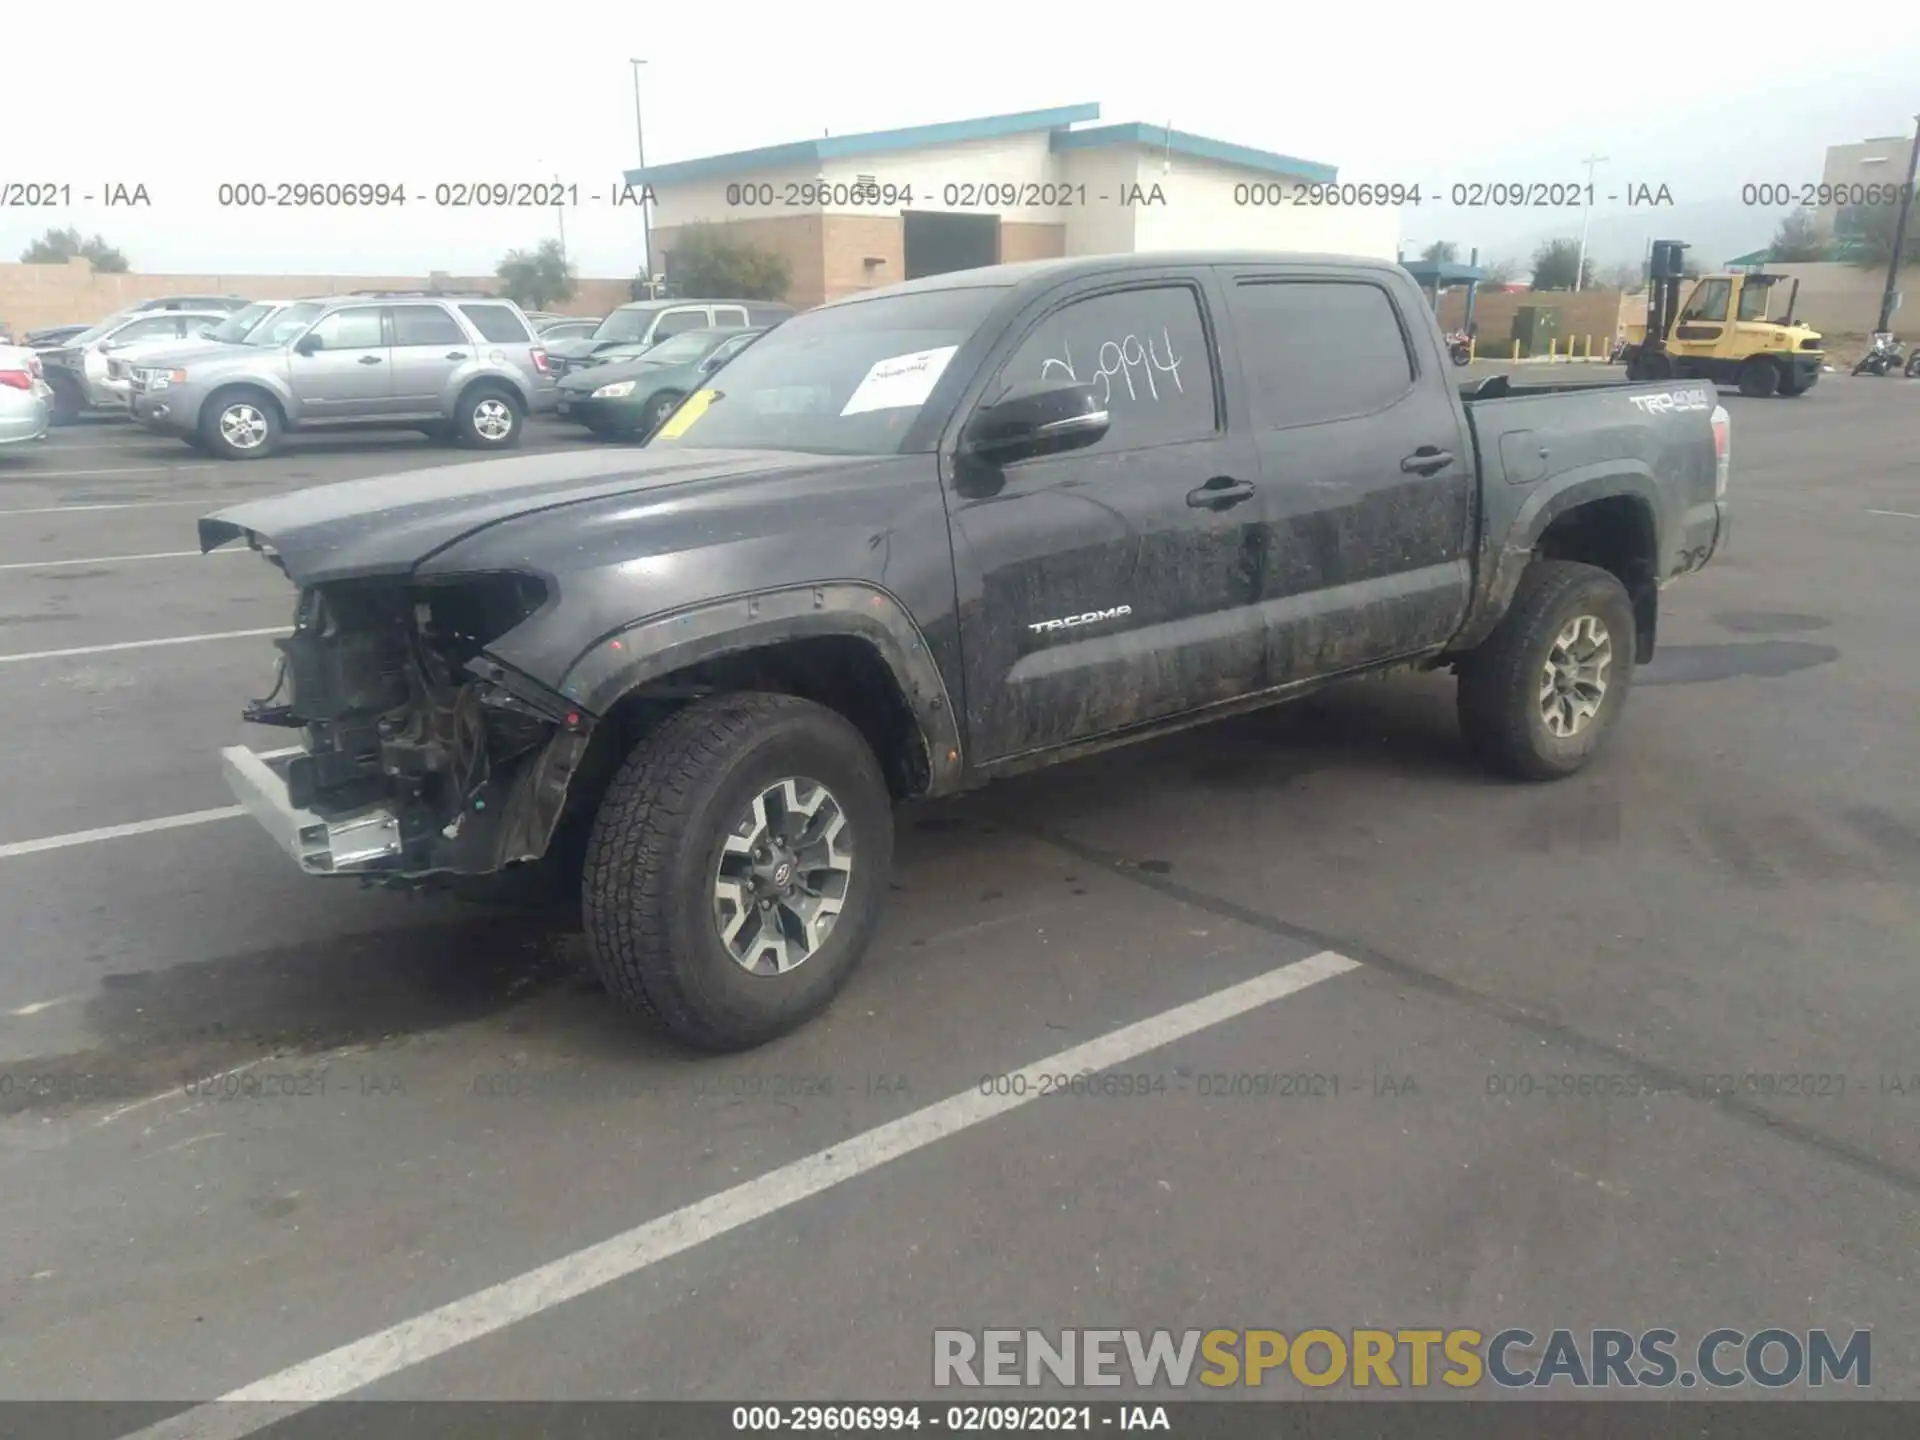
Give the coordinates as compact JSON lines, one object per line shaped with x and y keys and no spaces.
{"x":366,"y":841}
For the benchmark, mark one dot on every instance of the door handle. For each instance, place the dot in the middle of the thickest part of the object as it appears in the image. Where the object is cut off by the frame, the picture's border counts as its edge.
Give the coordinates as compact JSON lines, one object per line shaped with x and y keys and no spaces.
{"x":454,"y":355}
{"x":1426,"y":460}
{"x":1222,"y":492}
{"x":369,"y":359}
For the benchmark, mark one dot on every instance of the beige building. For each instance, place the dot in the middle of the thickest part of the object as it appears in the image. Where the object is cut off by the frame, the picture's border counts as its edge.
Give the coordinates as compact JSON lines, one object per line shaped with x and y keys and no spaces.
{"x":1882,"y":162}
{"x":851,"y":212}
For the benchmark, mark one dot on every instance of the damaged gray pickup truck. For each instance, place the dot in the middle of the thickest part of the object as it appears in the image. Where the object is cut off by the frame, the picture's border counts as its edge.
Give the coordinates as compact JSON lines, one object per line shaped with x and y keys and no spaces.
{"x":934,"y":535}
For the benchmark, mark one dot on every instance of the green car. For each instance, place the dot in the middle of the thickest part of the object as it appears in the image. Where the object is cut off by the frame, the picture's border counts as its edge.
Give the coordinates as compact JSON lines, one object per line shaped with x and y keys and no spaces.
{"x":628,"y":398}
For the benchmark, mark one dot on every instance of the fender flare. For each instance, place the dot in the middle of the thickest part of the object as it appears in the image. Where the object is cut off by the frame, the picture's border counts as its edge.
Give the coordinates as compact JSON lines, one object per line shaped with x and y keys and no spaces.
{"x":644,"y":650}
{"x":1506,"y":559}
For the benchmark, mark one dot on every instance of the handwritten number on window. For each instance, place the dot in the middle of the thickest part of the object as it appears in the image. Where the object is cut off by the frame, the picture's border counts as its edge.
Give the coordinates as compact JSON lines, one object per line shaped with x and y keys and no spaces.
{"x":1135,"y":362}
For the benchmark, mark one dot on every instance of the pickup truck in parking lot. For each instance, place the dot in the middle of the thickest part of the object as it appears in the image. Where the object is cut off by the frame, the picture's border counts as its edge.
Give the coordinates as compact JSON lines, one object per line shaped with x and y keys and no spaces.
{"x":933,"y":535}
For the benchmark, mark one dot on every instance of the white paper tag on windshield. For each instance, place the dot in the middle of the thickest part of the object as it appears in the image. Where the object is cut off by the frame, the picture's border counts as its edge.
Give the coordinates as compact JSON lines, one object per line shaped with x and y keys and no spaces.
{"x":900,"y":380}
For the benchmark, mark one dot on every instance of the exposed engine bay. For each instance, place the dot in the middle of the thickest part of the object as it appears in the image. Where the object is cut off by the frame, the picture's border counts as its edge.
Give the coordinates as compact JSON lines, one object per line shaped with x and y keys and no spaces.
{"x":435,"y":758}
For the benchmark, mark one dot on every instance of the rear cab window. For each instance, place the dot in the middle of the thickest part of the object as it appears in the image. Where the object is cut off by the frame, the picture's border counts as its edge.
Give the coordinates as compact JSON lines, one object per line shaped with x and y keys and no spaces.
{"x":497,"y":323}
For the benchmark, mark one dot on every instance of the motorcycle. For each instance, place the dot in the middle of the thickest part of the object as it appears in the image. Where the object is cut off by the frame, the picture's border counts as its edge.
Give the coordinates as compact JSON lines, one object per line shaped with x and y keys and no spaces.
{"x":1460,"y":347}
{"x":1913,"y":364}
{"x":1882,"y":357}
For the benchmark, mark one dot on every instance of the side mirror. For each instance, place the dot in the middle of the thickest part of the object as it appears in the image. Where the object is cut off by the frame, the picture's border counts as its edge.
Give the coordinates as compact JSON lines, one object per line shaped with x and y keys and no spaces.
{"x":1040,"y":417}
{"x":308,"y":345}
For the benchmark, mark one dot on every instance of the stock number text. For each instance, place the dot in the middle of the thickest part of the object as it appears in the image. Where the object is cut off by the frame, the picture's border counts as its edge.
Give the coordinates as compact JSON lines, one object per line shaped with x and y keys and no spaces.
{"x":1816,"y":196}
{"x":300,"y":194}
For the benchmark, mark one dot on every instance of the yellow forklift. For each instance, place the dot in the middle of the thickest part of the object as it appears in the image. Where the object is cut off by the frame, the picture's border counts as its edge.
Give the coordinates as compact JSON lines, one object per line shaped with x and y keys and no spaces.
{"x":1725,"y":333}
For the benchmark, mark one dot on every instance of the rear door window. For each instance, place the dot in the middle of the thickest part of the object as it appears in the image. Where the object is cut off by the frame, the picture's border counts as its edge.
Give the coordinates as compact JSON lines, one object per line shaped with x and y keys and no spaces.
{"x":497,"y":323}
{"x":1319,"y":350}
{"x":425,"y":325}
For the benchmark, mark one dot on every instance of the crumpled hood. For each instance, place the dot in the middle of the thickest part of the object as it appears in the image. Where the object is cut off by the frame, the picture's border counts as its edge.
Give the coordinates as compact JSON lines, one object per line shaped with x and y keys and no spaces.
{"x":388,"y":524}
{"x":577,"y":348}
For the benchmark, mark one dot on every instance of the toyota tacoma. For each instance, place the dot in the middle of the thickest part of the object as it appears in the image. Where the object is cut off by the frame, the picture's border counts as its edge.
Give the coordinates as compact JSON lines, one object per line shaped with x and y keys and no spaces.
{"x":933,"y":535}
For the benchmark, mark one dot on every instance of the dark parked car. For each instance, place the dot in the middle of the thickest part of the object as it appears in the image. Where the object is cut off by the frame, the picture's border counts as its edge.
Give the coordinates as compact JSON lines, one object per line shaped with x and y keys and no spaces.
{"x":933,"y":535}
{"x":629,"y":400}
{"x":52,"y":336}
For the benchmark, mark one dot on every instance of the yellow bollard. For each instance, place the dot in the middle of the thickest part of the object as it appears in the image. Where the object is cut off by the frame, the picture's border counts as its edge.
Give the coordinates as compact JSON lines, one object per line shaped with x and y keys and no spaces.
{"x":1553,"y":351}
{"x":1516,"y":349}
{"x":1473,"y":346}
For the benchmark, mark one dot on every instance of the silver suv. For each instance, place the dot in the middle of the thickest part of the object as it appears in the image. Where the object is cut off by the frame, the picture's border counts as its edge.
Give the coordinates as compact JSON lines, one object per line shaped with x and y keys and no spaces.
{"x":462,"y":369}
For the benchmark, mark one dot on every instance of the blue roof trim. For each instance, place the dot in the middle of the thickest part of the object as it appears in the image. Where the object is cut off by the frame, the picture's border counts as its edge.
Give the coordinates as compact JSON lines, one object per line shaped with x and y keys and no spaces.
{"x":872,"y":142}
{"x":1158,"y":137}
{"x":1442,"y":272}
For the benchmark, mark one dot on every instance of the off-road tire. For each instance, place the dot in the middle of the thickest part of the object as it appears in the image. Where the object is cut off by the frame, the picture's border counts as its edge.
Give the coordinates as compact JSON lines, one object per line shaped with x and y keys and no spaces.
{"x":476,"y":414}
{"x":1759,"y":379}
{"x":1499,"y":690}
{"x":647,"y":896}
{"x":213,"y":424}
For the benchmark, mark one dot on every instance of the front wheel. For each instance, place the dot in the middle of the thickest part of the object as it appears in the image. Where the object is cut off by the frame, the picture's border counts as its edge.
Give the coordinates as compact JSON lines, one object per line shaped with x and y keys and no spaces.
{"x":1541,"y":694}
{"x":736,"y":868}
{"x":659,"y":410}
{"x":240,"y":425}
{"x":1913,"y":366}
{"x":1461,"y":355}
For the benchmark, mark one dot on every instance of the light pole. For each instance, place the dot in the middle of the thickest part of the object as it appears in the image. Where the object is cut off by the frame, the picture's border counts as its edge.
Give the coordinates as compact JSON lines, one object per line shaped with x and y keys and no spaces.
{"x":1586,"y":218}
{"x":640,"y":144}
{"x":1890,"y":294}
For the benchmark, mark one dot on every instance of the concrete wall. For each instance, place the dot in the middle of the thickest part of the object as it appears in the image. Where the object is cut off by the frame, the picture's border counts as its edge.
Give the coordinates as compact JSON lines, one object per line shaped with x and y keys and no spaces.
{"x":32,"y":296}
{"x":1590,"y":312}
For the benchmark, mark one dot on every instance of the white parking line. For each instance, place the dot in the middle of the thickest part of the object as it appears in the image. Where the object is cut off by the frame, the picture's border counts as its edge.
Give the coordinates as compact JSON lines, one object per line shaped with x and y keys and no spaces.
{"x":120,"y":505}
{"x":117,"y":559}
{"x":363,"y":1362}
{"x":1896,"y":514}
{"x":116,"y":832}
{"x":140,"y":644}
{"x":117,"y":470}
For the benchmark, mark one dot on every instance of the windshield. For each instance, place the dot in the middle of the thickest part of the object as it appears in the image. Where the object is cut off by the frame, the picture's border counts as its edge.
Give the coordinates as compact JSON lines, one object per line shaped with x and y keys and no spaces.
{"x":625,"y":325}
{"x":233,"y":329}
{"x":286,"y":325}
{"x":846,"y":380}
{"x":682,"y":348}
{"x":105,"y":328}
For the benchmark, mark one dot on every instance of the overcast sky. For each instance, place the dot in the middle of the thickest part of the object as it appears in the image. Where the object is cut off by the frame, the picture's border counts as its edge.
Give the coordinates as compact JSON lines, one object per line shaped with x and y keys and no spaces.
{"x":182,"y":97}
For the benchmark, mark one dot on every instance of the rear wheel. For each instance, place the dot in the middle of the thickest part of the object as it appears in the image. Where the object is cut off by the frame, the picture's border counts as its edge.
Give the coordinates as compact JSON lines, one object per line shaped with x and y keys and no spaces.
{"x":240,"y":425}
{"x":1543,"y":691}
{"x":1759,"y":378}
{"x":736,"y":868}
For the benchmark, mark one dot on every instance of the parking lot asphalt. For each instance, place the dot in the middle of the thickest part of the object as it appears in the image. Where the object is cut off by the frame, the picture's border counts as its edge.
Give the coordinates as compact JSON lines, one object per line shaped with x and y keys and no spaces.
{"x":248,"y":1118}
